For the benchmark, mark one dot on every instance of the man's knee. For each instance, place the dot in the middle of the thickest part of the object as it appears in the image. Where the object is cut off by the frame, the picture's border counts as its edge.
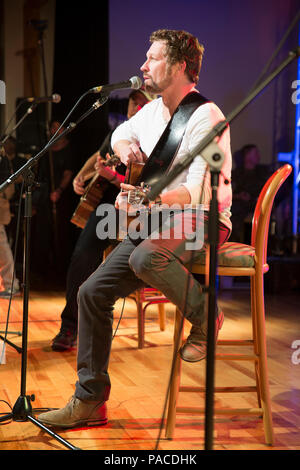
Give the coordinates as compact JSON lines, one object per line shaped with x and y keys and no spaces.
{"x":93,"y":298}
{"x":140,"y":260}
{"x":146,"y":259}
{"x":85,"y":290}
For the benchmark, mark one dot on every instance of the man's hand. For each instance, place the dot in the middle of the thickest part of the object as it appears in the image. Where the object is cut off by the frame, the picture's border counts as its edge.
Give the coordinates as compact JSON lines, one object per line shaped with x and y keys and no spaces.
{"x":121,"y":199}
{"x":78,"y":185}
{"x":129,"y":152}
{"x":103,"y":170}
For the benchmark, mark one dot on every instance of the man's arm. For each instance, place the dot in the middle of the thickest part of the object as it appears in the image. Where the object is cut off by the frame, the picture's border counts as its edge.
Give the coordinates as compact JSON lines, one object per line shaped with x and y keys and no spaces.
{"x":108,"y":173}
{"x":128,"y":152}
{"x":92,"y":165}
{"x":179,"y":196}
{"x":86,"y":172}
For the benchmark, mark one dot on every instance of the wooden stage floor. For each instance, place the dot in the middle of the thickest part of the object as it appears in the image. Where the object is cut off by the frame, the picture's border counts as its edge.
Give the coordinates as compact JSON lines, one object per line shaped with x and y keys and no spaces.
{"x":140,"y":379}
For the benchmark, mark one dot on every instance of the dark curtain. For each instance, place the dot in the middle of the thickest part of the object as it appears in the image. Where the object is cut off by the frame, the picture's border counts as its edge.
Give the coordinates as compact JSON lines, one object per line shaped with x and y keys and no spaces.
{"x":2,"y":124}
{"x":80,"y":63}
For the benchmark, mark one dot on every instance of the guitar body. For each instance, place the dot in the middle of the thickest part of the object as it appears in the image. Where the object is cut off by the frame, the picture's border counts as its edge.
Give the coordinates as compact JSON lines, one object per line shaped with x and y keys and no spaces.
{"x":93,"y":195}
{"x":89,"y":200}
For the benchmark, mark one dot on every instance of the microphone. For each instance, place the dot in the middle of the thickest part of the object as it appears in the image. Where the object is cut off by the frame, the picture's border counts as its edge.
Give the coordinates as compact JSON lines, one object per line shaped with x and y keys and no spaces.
{"x":133,"y":82}
{"x":55,"y":98}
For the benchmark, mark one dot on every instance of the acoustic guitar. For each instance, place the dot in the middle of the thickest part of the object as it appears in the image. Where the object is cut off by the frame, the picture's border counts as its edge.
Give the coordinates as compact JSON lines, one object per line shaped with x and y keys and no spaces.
{"x":93,"y":195}
{"x":96,"y":188}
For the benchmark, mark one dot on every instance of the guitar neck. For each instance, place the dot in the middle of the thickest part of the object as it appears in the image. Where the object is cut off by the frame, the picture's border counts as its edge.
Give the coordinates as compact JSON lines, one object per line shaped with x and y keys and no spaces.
{"x":111,"y":161}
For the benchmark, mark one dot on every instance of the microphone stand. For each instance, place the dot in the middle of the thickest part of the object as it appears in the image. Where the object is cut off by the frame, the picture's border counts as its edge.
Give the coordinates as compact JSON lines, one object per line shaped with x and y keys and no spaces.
{"x":29,"y":111}
{"x":12,"y":117}
{"x":22,"y":410}
{"x":214,"y":159}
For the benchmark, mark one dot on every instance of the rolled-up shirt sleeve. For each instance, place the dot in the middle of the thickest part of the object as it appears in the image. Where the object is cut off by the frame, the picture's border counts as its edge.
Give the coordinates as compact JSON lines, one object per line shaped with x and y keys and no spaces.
{"x":200,"y":124}
{"x":144,"y":128}
{"x":125,"y":131}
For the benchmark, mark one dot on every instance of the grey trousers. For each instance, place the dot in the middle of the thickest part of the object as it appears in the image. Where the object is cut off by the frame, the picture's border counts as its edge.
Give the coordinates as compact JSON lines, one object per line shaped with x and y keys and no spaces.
{"x":158,"y":261}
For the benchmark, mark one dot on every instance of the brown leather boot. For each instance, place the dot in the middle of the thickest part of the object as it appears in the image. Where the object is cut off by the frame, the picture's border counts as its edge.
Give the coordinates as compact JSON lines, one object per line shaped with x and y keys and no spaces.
{"x":76,"y":413}
{"x":194,"y":349}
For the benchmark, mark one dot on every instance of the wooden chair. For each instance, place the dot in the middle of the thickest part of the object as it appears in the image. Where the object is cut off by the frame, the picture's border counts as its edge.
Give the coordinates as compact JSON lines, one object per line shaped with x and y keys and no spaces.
{"x":237,"y":259}
{"x":143,"y":298}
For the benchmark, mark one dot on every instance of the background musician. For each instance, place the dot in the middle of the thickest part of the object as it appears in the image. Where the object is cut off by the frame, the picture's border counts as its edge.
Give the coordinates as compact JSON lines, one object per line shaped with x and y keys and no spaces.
{"x":89,"y":249}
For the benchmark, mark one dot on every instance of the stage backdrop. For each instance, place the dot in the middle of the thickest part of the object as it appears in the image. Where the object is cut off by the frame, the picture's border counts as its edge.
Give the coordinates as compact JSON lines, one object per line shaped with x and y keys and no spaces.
{"x":239,"y":39}
{"x":80,"y":63}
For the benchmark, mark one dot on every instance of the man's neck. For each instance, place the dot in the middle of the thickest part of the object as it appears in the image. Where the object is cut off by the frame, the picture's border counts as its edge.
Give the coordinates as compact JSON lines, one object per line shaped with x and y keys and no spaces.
{"x":172,"y":97}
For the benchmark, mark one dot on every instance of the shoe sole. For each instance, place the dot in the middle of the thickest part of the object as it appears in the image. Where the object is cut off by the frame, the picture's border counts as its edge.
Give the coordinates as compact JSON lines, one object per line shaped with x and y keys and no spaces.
{"x":82,"y":423}
{"x":58,"y":348}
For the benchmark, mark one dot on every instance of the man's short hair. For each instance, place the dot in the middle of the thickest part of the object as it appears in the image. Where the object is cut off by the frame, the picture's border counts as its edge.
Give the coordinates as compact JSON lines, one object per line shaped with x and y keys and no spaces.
{"x":182,"y":47}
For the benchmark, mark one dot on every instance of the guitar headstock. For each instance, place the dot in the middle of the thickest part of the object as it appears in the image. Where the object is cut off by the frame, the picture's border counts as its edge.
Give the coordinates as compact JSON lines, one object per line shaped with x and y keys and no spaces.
{"x":112,"y":160}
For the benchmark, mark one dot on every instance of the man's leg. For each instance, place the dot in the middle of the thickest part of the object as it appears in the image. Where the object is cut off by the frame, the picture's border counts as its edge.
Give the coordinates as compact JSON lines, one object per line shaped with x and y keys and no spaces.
{"x":163,"y":264}
{"x":96,"y":298}
{"x":87,"y":256}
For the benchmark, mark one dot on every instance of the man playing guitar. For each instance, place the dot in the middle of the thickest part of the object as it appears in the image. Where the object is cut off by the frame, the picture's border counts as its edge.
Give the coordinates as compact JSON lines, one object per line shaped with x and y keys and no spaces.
{"x":171,"y":70}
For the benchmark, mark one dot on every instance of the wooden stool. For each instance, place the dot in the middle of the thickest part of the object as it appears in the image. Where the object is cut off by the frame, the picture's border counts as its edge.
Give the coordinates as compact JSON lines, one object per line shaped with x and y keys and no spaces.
{"x":237,"y":259}
{"x":144,"y":297}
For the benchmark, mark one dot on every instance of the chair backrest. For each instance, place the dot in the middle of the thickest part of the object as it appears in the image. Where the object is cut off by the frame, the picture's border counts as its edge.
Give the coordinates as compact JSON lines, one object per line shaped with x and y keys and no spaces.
{"x":262,"y":213}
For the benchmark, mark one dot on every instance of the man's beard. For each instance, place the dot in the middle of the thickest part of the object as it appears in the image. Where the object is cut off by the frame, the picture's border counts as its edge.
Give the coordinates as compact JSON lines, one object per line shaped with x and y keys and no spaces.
{"x":156,"y":89}
{"x":153,"y":89}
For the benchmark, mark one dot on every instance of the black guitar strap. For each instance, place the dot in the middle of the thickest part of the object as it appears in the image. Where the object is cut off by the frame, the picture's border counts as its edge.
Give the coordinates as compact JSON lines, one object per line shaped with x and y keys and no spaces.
{"x":164,"y":152}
